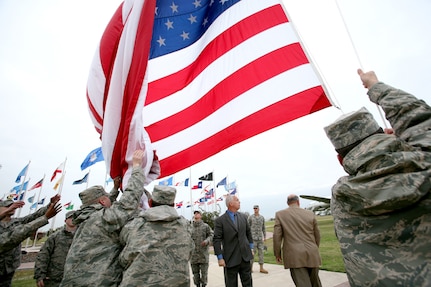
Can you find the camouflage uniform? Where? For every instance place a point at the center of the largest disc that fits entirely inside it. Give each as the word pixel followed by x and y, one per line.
pixel 93 256
pixel 158 247
pixel 51 257
pixel 382 210
pixel 258 233
pixel 200 256
pixel 12 233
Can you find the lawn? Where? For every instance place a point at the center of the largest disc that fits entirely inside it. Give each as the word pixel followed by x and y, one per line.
pixel 329 251
pixel 329 247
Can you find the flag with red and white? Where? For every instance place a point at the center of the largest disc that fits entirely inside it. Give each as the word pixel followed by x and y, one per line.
pixel 58 170
pixel 37 184
pixel 189 79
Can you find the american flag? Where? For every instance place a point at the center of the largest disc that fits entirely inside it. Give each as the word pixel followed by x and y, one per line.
pixel 210 74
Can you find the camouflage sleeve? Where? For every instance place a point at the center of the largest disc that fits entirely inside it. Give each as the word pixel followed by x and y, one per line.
pixel 402 109
pixel 114 194
pixel 29 218
pixel 263 227
pixel 117 215
pixel 10 239
pixel 209 234
pixel 43 258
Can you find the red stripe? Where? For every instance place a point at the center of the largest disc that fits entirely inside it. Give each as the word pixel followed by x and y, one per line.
pixel 133 87
pixel 289 109
pixel 93 111
pixel 233 86
pixel 226 41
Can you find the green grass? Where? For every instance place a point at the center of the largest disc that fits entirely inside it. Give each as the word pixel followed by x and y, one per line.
pixel 329 251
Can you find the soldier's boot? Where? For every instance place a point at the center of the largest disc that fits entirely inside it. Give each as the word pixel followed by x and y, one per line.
pixel 263 270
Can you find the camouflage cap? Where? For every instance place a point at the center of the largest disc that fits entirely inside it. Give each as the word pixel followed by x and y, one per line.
pixel 164 194
pixel 69 214
pixel 5 203
pixel 255 206
pixel 351 128
pixel 89 195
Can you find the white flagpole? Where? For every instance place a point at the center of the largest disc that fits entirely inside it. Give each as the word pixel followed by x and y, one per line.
pixel 88 179
pixel 37 203
pixel 190 188
pixel 22 185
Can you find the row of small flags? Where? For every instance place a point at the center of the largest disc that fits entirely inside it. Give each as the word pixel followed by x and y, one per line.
pixel 18 192
pixel 208 177
pixel 208 197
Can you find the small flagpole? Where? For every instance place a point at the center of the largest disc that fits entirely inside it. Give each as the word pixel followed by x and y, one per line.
pixel 37 203
pixel 190 188
pixel 88 179
pixel 214 191
pixel 59 192
pixel 105 183
pixel 22 185
pixel 379 109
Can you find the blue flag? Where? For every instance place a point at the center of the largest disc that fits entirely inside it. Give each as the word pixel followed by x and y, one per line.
pixel 222 182
pixel 82 180
pixel 167 181
pixel 93 157
pixel 22 173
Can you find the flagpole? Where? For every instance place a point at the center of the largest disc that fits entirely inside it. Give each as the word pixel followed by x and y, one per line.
pixel 214 192
pixel 22 185
pixel 59 193
pixel 88 177
pixel 37 203
pixel 190 187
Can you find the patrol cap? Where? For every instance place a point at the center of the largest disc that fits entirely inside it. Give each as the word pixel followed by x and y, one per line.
pixel 69 214
pixel 351 128
pixel 6 203
pixel 256 206
pixel 89 195
pixel 164 194
pixel 197 211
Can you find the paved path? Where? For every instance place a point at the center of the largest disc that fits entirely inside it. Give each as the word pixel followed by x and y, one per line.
pixel 277 276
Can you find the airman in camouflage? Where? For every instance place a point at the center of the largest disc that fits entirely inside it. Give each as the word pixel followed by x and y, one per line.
pixel 158 244
pixel 14 230
pixel 202 235
pixel 49 265
pixel 382 209
pixel 258 232
pixel 93 256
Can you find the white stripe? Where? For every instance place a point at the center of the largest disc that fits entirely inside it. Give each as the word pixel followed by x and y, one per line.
pixel 292 81
pixel 173 62
pixel 216 72
pixel 112 117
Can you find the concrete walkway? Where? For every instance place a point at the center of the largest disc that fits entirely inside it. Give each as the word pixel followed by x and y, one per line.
pixel 277 276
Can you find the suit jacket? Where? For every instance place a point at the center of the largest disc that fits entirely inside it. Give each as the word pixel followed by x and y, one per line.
pixel 232 241
pixel 296 229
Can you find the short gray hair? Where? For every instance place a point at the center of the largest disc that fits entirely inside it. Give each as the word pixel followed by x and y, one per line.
pixel 292 198
pixel 229 199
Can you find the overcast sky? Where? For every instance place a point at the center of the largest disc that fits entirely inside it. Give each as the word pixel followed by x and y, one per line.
pixel 47 47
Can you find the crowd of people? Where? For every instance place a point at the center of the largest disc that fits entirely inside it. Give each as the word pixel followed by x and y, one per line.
pixel 381 210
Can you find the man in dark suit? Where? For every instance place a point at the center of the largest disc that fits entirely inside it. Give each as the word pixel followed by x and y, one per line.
pixel 233 244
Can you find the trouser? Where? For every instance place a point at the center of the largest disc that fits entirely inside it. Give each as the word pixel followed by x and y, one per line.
pixel 200 273
pixel 259 246
pixel 306 277
pixel 6 279
pixel 244 271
